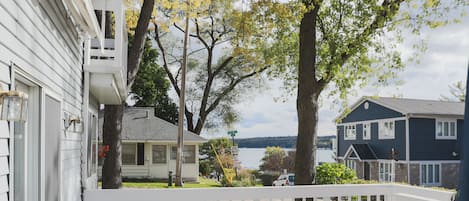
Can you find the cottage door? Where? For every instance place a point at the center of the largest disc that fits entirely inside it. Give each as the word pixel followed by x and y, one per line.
pixel 366 171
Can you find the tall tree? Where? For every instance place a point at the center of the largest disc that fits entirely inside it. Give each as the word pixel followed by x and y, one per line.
pixel 151 86
pixel 111 178
pixel 273 159
pixel 457 91
pixel 223 70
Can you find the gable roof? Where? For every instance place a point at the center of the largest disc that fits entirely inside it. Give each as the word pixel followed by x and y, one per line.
pixel 140 124
pixel 414 106
pixel 363 151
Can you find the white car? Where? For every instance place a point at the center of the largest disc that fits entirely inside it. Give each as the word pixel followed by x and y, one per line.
pixel 285 180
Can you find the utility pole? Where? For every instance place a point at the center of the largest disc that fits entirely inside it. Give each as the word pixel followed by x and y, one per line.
pixel 180 139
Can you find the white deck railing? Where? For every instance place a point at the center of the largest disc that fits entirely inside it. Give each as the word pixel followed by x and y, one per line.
pixel 356 192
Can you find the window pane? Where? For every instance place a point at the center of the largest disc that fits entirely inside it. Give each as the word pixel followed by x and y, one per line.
pixel 423 174
pixel 173 153
pixel 159 154
pixel 439 129
pixel 128 154
pixel 437 173
pixel 452 129
pixel 430 173
pixel 445 129
pixel 189 154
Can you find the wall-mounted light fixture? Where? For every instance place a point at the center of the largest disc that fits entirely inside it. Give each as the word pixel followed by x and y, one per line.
pixel 13 105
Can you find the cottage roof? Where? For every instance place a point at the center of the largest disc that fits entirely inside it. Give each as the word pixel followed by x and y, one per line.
pixel 408 106
pixel 140 124
pixel 423 107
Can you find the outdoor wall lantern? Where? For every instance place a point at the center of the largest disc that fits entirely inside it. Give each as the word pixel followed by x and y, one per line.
pixel 13 105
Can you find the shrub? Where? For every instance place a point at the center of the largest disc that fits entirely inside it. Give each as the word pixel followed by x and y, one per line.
pixel 334 173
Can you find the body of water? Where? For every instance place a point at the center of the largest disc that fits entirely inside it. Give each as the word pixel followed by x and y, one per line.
pixel 251 157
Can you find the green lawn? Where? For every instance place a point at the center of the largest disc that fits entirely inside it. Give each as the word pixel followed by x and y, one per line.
pixel 203 183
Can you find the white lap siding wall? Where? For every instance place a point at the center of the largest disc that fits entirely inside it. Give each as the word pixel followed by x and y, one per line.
pixel 38 37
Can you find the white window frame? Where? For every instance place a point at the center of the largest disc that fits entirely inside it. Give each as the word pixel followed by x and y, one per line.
pixel 385 130
pixel 352 164
pixel 424 180
pixel 450 135
pixel 350 131
pixel 383 175
pixel 135 154
pixel 366 129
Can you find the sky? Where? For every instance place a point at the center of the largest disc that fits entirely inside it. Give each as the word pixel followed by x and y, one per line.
pixel 443 63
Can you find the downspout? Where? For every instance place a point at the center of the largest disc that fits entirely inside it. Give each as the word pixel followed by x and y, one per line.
pixel 407 146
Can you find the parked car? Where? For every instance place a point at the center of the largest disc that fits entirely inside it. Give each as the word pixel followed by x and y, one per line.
pixel 285 180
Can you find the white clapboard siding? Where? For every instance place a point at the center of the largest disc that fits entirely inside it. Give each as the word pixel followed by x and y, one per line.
pixel 39 38
pixel 4 165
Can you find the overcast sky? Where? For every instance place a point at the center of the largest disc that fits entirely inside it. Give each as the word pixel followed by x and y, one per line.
pixel 445 62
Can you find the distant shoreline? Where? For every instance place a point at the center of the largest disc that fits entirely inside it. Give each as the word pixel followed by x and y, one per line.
pixel 324 142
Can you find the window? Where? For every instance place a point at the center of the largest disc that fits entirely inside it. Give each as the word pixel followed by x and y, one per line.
pixel 351 164
pixel 385 171
pixel 159 154
pixel 386 130
pixel 129 152
pixel 188 153
pixel 366 131
pixel 430 174
pixel 446 129
pixel 92 145
pixel 350 132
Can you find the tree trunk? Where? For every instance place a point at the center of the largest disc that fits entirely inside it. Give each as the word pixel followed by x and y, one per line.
pixel 112 128
pixel 307 101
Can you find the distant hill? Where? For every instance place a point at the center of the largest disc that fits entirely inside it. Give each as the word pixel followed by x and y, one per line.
pixel 324 142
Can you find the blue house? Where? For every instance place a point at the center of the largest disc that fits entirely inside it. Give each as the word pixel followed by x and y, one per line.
pixel 402 140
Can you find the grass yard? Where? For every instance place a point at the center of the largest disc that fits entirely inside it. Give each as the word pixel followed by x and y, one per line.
pixel 203 183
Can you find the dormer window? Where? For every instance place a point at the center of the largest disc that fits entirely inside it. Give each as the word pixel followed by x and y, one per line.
pixel 350 132
pixel 446 129
pixel 386 129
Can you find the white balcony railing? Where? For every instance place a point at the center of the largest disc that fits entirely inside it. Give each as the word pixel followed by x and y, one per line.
pixel 355 192
pixel 107 54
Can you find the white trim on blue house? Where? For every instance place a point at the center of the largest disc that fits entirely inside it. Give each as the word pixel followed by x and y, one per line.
pixel 434 176
pixel 373 121
pixel 348 152
pixel 407 147
pixel 449 121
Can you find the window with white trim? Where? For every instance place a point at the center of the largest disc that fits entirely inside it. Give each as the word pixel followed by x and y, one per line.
pixel 350 132
pixel 351 164
pixel 446 129
pixel 386 129
pixel 385 171
pixel 430 174
pixel 129 154
pixel 367 131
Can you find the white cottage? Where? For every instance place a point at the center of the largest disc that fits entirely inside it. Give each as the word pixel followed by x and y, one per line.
pixel 55 52
pixel 149 146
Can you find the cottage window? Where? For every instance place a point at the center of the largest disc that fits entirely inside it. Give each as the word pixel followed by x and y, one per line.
pixel 159 154
pixel 350 132
pixel 129 154
pixel 430 174
pixel 188 153
pixel 366 131
pixel 92 145
pixel 351 164
pixel 386 130
pixel 385 171
pixel 446 129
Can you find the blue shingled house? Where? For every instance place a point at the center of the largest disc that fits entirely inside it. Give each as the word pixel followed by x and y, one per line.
pixel 402 140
